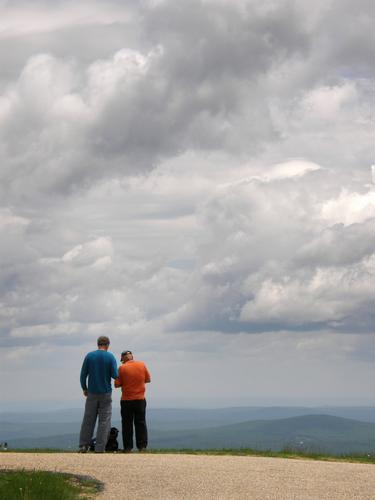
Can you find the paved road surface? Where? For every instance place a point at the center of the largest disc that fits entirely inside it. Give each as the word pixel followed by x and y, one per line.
pixel 173 477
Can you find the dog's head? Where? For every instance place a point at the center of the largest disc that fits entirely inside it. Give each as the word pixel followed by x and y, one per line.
pixel 114 432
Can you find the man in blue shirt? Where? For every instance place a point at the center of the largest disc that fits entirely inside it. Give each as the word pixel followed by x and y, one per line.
pixel 100 367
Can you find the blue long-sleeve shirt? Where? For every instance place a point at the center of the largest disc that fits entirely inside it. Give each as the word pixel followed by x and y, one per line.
pixel 99 366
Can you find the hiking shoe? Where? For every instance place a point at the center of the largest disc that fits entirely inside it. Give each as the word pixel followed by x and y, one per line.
pixel 83 449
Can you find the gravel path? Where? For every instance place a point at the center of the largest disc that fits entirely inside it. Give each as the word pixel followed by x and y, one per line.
pixel 173 477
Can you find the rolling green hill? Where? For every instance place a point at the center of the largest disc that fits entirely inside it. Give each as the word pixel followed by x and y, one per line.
pixel 318 433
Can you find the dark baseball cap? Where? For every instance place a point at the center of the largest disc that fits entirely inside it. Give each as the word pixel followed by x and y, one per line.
pixel 126 352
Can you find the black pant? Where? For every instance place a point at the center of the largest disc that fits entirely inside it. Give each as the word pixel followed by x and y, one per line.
pixel 134 412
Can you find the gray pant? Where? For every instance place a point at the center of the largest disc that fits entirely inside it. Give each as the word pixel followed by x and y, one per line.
pixel 97 405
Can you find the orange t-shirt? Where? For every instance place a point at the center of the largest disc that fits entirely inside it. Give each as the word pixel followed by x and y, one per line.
pixel 132 377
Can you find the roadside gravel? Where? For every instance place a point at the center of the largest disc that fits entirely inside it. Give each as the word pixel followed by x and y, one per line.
pixel 173 477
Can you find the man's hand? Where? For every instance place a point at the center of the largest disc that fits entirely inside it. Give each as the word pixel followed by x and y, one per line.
pixel 85 392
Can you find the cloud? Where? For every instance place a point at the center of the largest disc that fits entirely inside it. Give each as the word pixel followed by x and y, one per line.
pixel 188 177
pixel 22 18
pixel 9 220
pixel 280 264
pixel 188 85
pixel 94 253
pixel 332 296
pixel 350 208
pixel 264 254
pixel 67 123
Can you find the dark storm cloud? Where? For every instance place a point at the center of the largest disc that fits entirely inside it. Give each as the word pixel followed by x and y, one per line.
pixel 205 41
pixel 346 39
pixel 69 121
pixel 203 89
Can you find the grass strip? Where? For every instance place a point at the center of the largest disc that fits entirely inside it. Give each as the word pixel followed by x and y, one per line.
pixel 367 458
pixel 43 485
pixel 356 458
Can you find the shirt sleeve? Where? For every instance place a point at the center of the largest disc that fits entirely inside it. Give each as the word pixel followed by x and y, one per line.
pixel 114 370
pixel 147 375
pixel 84 373
pixel 118 380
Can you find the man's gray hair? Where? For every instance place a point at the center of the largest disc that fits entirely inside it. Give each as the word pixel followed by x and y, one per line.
pixel 103 340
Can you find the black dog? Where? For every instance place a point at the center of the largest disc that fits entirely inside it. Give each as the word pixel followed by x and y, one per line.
pixel 112 443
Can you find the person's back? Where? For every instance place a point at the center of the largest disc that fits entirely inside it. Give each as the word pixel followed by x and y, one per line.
pixel 99 367
pixel 133 376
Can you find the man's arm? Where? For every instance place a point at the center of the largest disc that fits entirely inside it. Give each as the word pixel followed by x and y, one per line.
pixel 114 370
pixel 147 376
pixel 83 377
pixel 118 380
pixel 116 373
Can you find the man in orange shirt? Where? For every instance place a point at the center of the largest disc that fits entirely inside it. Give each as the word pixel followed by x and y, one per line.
pixel 133 375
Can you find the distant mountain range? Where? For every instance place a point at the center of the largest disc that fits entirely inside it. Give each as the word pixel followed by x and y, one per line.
pixel 313 433
pixel 327 430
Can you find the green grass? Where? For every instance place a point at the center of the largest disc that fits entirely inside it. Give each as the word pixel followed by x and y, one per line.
pixel 36 450
pixel 42 485
pixel 285 453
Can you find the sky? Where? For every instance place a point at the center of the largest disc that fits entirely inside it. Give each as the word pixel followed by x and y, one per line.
pixel 196 181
